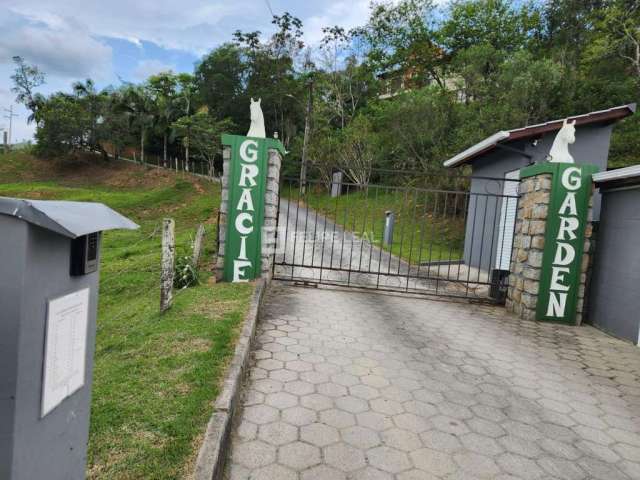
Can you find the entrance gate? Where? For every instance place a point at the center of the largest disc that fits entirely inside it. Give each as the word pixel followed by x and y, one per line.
pixel 434 241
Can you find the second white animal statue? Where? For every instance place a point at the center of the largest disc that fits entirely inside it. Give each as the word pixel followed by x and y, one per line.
pixel 256 129
pixel 566 136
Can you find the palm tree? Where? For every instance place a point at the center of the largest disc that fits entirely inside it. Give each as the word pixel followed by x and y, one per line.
pixel 138 105
pixel 163 88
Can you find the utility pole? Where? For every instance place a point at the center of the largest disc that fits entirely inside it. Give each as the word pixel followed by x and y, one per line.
pixel 307 132
pixel 10 117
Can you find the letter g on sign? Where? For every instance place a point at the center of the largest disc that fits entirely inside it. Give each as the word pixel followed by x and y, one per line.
pixel 249 151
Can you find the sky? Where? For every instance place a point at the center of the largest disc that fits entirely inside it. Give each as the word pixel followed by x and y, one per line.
pixel 128 40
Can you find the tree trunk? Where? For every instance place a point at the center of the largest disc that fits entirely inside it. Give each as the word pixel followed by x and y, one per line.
pixel 164 151
pixel 142 146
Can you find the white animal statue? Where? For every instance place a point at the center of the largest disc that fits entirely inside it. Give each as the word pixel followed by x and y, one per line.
pixel 566 136
pixel 256 129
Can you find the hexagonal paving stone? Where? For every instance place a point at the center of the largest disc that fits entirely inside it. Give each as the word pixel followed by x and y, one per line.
pixel 283 375
pixel 344 457
pixel 270 364
pixel 267 386
pixel 437 440
pixel 433 461
pixel 316 402
pixel 477 465
pixel 332 389
pixel 374 420
pixel 401 439
pixel 319 434
pixel 519 466
pixel 277 433
pixel 260 414
pixel 299 455
pixel 481 444
pixel 388 459
pixel 364 391
pixel 386 406
pixel 298 387
pixel 351 404
pixel 337 418
pixel 322 472
pixel 411 422
pixel 254 454
pixel 273 472
pixel 360 437
pixel 281 400
pixel 299 416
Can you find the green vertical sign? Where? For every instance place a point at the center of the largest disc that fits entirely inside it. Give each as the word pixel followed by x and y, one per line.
pixel 247 183
pixel 571 188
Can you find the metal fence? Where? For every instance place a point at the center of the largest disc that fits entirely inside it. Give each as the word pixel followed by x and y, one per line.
pixel 397 238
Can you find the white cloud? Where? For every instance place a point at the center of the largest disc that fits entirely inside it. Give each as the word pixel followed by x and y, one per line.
pixel 146 68
pixel 62 47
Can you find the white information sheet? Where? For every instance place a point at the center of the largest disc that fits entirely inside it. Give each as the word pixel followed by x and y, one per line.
pixel 65 348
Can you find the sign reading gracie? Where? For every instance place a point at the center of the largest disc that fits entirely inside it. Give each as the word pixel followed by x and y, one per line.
pixel 564 239
pixel 247 183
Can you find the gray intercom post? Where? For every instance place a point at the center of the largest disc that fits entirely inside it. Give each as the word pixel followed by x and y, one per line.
pixel 49 258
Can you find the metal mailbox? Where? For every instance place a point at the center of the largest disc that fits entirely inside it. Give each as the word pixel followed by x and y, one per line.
pixel 49 270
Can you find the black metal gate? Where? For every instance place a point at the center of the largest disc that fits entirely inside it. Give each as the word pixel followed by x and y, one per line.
pixel 447 241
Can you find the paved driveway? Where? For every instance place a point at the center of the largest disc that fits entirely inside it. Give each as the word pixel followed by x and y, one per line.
pixel 371 386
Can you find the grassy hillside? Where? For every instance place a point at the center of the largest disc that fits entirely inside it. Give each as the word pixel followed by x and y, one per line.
pixel 155 376
pixel 422 231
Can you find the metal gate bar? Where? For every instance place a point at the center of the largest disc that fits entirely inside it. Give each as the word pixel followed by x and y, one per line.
pixel 444 242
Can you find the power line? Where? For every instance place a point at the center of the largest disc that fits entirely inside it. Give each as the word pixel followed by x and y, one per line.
pixel 269 7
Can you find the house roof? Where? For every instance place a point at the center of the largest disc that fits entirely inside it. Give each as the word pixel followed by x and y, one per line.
pixel 533 131
pixel 70 219
pixel 618 177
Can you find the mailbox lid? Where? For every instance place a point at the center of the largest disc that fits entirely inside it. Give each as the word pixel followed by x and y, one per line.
pixel 70 219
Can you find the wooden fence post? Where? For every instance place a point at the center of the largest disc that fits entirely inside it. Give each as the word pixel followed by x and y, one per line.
pixel 197 245
pixel 168 263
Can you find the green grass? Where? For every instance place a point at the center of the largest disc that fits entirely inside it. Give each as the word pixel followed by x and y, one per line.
pixel 155 376
pixel 422 231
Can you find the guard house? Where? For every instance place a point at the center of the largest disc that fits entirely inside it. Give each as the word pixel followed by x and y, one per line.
pixel 495 164
pixel 50 258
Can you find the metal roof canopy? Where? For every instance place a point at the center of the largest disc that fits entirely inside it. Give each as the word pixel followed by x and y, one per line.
pixel 626 176
pixel 532 131
pixel 70 219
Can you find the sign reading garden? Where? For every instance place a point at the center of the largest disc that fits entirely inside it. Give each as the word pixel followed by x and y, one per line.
pixel 564 233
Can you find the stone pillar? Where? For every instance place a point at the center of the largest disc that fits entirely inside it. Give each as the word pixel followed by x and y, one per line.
pixel 270 214
pixel 268 238
pixel 224 210
pixel 528 248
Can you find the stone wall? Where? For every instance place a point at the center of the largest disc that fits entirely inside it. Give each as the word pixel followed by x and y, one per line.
pixel 528 246
pixel 270 212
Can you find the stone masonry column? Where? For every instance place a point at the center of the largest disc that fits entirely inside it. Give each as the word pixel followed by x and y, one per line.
pixel 270 212
pixel 529 245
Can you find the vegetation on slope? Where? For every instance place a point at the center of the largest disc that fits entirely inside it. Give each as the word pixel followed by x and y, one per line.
pixel 155 376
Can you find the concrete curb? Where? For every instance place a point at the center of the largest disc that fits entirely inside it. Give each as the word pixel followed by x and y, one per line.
pixel 211 457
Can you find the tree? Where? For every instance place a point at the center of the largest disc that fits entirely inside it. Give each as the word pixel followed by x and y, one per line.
pixel 203 134
pixel 26 79
pixel 163 90
pixel 138 106
pixel 62 126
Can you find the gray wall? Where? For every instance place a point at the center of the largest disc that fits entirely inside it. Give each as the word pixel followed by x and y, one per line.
pixel 483 215
pixel 481 234
pixel 614 295
pixel 35 268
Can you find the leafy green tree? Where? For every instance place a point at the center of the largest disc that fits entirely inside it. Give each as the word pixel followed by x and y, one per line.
pixel 203 134
pixel 62 126
pixel 163 90
pixel 26 79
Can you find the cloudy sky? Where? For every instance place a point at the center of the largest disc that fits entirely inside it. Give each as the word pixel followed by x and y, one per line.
pixel 109 40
